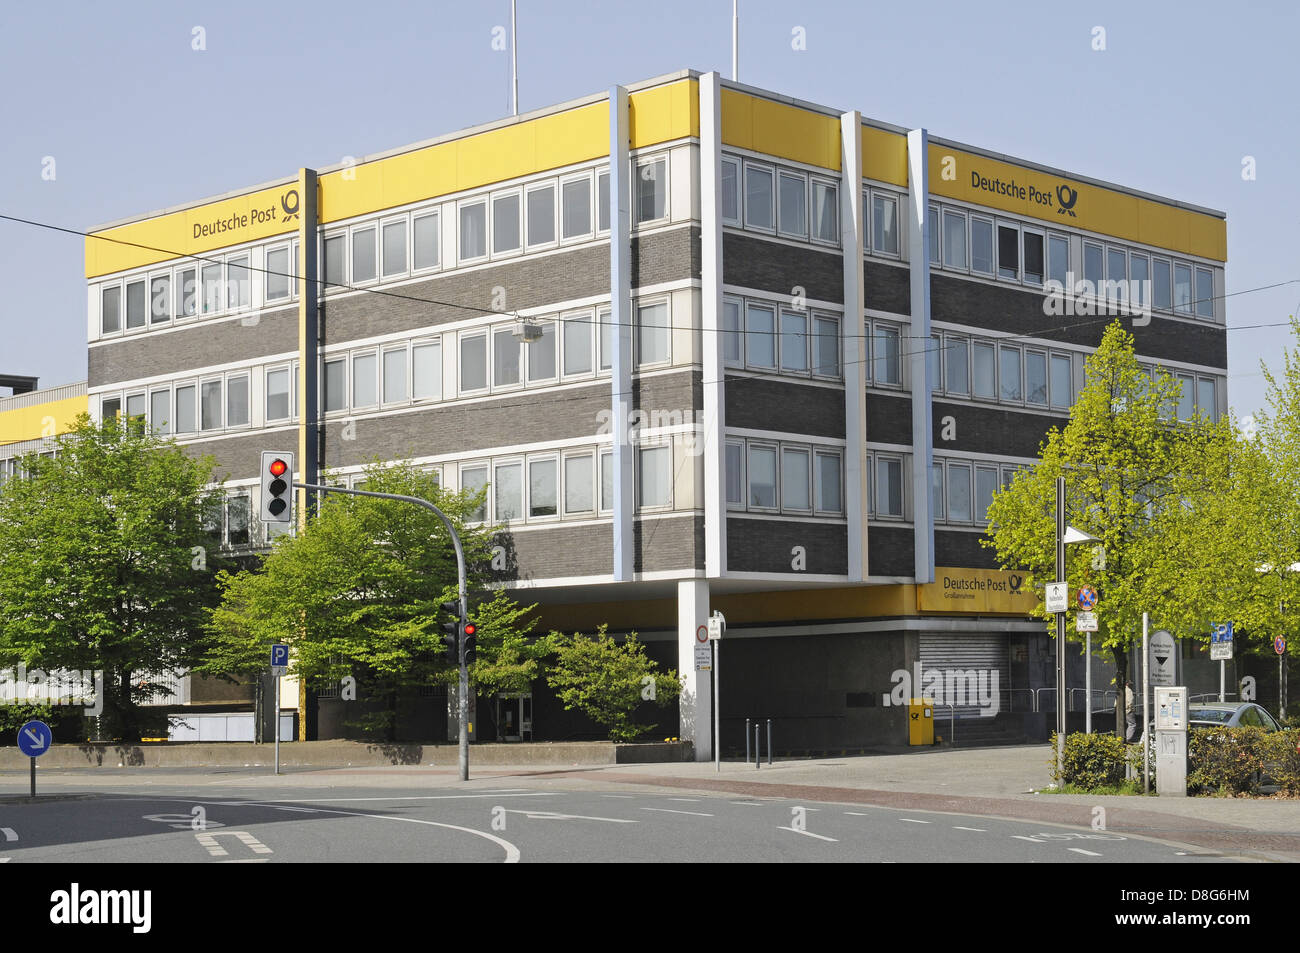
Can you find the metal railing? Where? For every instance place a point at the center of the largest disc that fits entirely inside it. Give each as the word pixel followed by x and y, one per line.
pixel 952 723
pixel 1011 698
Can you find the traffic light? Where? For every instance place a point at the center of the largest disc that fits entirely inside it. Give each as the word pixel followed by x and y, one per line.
pixel 451 631
pixel 471 642
pixel 277 492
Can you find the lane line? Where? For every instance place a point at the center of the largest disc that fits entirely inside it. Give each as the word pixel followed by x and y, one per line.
pixel 976 829
pixel 808 834
pixel 630 796
pixel 1032 840
pixel 857 814
pixel 415 797
pixel 1080 850
pixel 664 810
pixel 747 803
pixel 9 833
pixel 681 799
pixel 912 820
pixel 553 816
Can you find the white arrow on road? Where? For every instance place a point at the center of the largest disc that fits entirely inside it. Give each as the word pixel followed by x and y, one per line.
pixel 552 816
pixel 37 741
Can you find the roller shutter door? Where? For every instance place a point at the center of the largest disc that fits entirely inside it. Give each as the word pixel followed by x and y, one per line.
pixel 985 654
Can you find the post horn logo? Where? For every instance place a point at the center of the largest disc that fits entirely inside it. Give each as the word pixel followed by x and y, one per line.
pixel 1067 197
pixel 1014 580
pixel 291 211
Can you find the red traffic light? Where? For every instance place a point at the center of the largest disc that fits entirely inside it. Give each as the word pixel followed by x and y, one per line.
pixel 278 467
pixel 471 628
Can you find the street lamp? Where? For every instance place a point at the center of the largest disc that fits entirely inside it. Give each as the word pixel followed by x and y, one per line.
pixel 1065 535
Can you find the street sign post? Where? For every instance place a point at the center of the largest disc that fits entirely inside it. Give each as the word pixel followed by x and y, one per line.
pixel 1086 622
pixel 703 650
pixel 1279 645
pixel 1162 658
pixel 1058 596
pixel 1221 651
pixel 717 623
pixel 279 662
pixel 34 739
pixel 1087 598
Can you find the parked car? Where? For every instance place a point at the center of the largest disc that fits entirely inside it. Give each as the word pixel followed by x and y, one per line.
pixel 1227 715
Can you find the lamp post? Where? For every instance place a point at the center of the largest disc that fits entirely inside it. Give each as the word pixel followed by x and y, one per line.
pixel 1064 535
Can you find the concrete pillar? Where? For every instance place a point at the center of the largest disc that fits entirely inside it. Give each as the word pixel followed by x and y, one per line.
pixel 696 701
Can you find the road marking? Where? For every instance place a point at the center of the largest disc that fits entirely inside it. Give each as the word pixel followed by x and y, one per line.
pixel 809 834
pixel 619 795
pixel 912 820
pixel 300 810
pixel 209 843
pixel 5 860
pixel 1032 840
pixel 1080 850
pixel 9 834
pixel 422 797
pixel 681 799
pixel 747 803
pixel 552 816
pixel 977 829
pixel 664 810
pixel 857 814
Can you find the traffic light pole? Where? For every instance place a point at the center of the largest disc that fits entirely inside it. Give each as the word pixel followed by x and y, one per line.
pixel 463 695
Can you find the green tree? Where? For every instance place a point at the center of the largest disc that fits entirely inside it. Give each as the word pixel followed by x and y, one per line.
pixel 1134 475
pixel 607 680
pixel 359 594
pixel 104 563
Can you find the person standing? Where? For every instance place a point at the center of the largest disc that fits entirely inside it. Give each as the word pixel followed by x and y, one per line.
pixel 1130 714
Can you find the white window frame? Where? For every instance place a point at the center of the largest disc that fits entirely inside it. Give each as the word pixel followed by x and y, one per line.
pixel 992 223
pixel 641 447
pixel 902 486
pixel 795 448
pixel 518 195
pixel 1024 271
pixel 286 247
pixel 528 350
pixel 372 227
pixel 869 207
pixel 781 228
pixel 435 213
pixel 744 191
pixel 666 301
pixel 461 258
pixel 346 360
pixel 735 161
pixel 555 458
pixel 442 372
pixel 484 332
pixel 580 321
pixel 404 221
pixel 592 459
pixel 405 350
pixel 775 447
pixel 638 163
pixel 525 216
pixel 267 371
pixel 742 504
pixel 225 400
pixel 838 456
pixel 813 182
pixel 341 281
pixel 592 211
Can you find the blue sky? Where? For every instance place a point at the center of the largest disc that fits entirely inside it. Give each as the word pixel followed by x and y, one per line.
pixel 137 120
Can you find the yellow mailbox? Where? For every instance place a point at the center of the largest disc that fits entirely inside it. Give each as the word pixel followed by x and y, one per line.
pixel 920 721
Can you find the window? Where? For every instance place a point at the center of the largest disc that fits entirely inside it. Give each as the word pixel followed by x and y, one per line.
pixel 237 401
pixel 954 239
pixel 986 484
pixel 277 273
pixel 1204 293
pixel 1139 275
pixel 505 223
pixel 1117 274
pixel 959 499
pixel 935 235
pixel 1182 288
pixel 577 343
pixel 160 411
pixel 1033 257
pixel 111 408
pixel 578 489
pixel 758 198
pixel 238 519
pixel 110 310
pixel 543 487
pixel 1009 376
pixel 760 335
pixel 136 304
pixel 981 246
pixel 731 331
pixel 473 231
pixel 957 366
pixel 796 494
pixel 730 186
pixel 889 487
pixel 186 418
pixel 884 220
pixel 394 248
pixel 1058 259
pixel 934 362
pixel 394 375
pixel 160 299
pixel 794 341
pixel 277 394
pixel 336 395
pixel 426 371
pixel 473 361
pixel 472 480
pixel 1008 252
pixel 828 489
pixel 1036 378
pixel 606 481
pixel 424 229
pixel 508 489
pixel 541 355
pixel 826 346
pixel 209 405
pixel 656 476
pixel 1093 264
pixel 983 360
pixel 135 407
pixel 1062 383
pixel 1186 397
pixel 365 380
pixel 1205 402
pixel 936 491
pixel 576 201
pixel 653 333
pixel 238 283
pixel 506 358
pixel 825 212
pixel 886 364
pixel 1160 284
pixel 793 211
pixel 541 216
pixel 211 276
pixel 762 477
pixel 602 200
pixel 606 329
pixel 186 293
pixel 650 190
pixel 335 264
pixel 735 462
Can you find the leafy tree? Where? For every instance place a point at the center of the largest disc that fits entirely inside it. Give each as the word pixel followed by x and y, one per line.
pixel 359 594
pixel 1137 480
pixel 104 563
pixel 608 680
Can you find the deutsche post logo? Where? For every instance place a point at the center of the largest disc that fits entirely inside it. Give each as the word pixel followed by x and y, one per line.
pixel 1014 580
pixel 291 208
pixel 1067 197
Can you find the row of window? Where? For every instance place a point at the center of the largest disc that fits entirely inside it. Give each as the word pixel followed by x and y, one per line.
pixel 962 491
pixel 1196 394
pixel 979 244
pixel 779 477
pixel 773 338
pixel 962 366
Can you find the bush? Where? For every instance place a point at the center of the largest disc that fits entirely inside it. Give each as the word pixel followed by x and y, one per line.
pixel 1281 758
pixel 1091 761
pixel 1225 760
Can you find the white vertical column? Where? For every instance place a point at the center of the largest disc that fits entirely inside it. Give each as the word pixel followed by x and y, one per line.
pixel 715 391
pixel 695 704
pixel 855 344
pixel 918 249
pixel 620 331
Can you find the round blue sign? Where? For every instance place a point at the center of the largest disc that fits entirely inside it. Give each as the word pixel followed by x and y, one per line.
pixel 35 738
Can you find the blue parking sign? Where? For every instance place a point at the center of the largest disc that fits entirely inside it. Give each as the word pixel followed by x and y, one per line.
pixel 279 655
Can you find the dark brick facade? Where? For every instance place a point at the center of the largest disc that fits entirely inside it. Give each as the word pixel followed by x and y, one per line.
pixel 785 407
pixel 765 546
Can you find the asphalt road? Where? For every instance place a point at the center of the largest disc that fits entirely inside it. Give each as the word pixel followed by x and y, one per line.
pixel 184 819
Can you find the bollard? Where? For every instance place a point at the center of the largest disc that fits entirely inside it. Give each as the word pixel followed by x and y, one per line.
pixel 746 741
pixel 769 741
pixel 758 751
